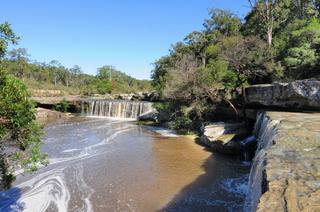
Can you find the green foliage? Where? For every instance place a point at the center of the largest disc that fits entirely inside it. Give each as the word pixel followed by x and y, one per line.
pixel 222 22
pixel 180 122
pixel 158 74
pixel 17 108
pixel 176 118
pixel 62 106
pixel 103 86
pixel 304 52
pixel 278 40
pixel 18 128
pixel 6 36
pixel 57 77
pixel 298 48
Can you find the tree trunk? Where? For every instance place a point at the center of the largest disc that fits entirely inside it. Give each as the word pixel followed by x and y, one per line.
pixel 233 107
pixel 243 94
pixel 269 33
pixel 204 61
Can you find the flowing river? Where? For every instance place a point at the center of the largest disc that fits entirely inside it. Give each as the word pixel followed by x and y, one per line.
pixel 98 164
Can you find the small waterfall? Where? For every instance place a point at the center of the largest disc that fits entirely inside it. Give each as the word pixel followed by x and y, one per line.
pixel 116 108
pixel 265 131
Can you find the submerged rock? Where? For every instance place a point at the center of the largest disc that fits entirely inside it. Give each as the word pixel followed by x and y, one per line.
pixel 301 94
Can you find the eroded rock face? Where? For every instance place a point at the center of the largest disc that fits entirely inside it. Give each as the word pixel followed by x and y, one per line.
pixel 290 163
pixel 302 94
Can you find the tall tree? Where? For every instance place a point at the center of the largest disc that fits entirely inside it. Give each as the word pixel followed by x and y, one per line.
pixel 20 57
pixel 271 14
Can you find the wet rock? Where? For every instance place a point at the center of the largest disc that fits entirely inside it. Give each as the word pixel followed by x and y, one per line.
pixel 302 94
pixel 150 116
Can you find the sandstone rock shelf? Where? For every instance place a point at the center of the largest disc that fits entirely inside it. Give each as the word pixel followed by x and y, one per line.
pixel 297 95
pixel 288 162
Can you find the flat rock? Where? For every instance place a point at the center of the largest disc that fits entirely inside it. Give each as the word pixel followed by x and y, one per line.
pixel 293 164
pixel 301 94
pixel 224 137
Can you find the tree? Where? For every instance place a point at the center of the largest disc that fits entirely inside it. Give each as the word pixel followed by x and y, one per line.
pixel 303 9
pixel 54 66
pixel 247 56
pixel 6 36
pixel 302 54
pixel 75 72
pixel 270 14
pixel 20 57
pixel 198 41
pixel 106 72
pixel 222 22
pixel 20 136
pixel 159 73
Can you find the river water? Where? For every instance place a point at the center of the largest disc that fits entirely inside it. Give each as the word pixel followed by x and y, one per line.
pixel 112 165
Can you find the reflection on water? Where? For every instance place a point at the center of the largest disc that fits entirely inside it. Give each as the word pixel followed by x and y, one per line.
pixel 109 165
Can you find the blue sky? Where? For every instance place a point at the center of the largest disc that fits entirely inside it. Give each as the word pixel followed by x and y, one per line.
pixel 128 34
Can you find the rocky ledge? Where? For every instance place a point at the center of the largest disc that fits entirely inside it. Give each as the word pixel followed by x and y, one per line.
pixel 51 97
pixel 224 137
pixel 297 95
pixel 285 175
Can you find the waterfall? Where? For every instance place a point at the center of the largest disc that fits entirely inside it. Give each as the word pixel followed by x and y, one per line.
pixel 116 108
pixel 265 131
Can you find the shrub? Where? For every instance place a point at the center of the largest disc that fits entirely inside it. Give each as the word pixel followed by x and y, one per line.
pixel 18 130
pixel 63 106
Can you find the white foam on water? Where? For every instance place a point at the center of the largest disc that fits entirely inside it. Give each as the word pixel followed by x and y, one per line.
pixel 86 191
pixel 70 150
pixel 163 131
pixel 92 150
pixel 112 118
pixel 38 193
pixel 236 186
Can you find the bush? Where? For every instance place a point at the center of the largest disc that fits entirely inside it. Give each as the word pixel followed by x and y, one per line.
pixel 103 86
pixel 63 106
pixel 17 129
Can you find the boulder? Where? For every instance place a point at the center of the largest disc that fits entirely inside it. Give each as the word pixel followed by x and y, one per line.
pixel 224 137
pixel 46 116
pixel 301 94
pixel 151 116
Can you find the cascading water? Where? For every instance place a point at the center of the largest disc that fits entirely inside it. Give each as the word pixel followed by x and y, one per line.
pixel 116 108
pixel 265 131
